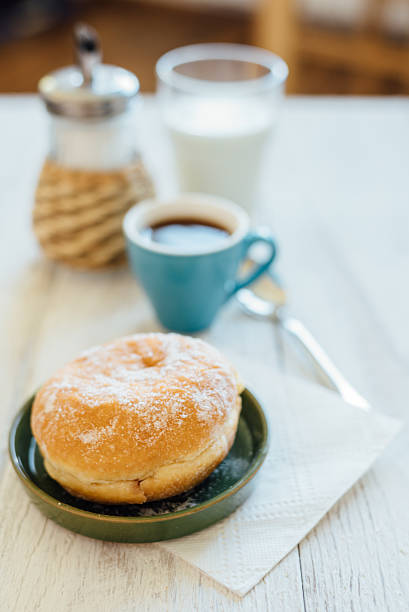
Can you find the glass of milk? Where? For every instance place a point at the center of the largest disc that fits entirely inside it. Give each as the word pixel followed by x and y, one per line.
pixel 219 103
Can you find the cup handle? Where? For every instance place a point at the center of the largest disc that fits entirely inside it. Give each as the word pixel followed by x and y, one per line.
pixel 259 235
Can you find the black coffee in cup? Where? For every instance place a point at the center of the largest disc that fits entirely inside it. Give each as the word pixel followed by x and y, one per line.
pixel 186 254
pixel 186 234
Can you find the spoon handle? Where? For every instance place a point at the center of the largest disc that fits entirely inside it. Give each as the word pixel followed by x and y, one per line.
pixel 323 362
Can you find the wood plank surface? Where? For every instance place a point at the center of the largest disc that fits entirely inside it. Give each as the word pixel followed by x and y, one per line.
pixel 346 225
pixel 335 193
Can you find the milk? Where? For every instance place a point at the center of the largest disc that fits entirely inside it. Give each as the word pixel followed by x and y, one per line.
pixel 218 145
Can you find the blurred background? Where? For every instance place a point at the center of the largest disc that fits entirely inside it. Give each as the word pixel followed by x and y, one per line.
pixel 333 46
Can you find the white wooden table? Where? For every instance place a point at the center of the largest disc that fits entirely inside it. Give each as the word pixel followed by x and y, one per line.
pixel 336 193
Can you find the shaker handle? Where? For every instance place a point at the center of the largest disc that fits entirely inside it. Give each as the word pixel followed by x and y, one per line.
pixel 88 51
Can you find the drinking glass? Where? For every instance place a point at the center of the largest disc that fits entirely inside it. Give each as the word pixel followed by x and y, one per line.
pixel 219 103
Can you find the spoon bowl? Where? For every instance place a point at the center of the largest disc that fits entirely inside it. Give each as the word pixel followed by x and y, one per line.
pixel 256 306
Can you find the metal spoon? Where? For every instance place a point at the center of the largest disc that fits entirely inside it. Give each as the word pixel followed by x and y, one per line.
pixel 269 303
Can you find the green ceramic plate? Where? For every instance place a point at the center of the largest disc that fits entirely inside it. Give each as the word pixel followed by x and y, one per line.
pixel 215 498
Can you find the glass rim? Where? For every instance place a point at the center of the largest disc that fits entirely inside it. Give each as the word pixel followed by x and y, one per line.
pixel 275 65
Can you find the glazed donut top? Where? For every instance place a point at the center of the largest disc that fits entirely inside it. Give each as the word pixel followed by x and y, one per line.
pixel 124 409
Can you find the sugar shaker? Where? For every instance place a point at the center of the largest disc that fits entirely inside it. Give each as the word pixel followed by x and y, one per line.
pixel 93 171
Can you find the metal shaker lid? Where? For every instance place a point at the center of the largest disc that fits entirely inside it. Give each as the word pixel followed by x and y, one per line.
pixel 89 89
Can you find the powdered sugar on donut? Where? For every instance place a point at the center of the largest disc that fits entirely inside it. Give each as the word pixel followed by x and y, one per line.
pixel 140 387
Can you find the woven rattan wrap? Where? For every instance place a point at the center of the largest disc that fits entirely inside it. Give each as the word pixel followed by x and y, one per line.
pixel 78 213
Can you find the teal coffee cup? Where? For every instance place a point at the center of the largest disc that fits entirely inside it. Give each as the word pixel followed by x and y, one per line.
pixel 187 287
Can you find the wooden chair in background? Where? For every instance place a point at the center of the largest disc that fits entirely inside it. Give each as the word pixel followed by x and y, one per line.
pixel 362 57
pixel 276 29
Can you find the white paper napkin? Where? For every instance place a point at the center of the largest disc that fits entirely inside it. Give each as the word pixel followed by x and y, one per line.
pixel 319 447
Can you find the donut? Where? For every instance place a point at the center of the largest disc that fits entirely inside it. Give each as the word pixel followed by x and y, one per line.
pixel 142 418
